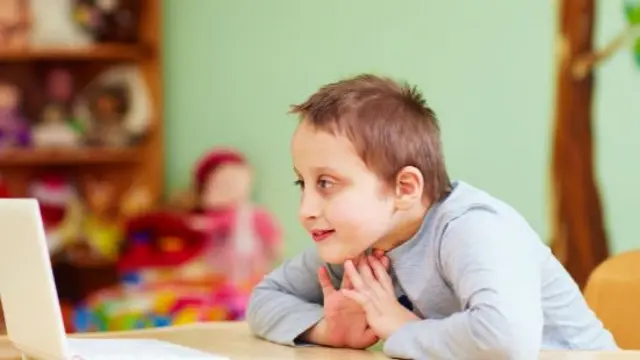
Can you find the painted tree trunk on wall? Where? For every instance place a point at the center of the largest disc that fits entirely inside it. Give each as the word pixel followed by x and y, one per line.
pixel 579 238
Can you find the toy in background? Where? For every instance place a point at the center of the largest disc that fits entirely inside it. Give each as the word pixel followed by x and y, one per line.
pixel 15 23
pixel 116 106
pixel 14 127
pixel 183 267
pixel 114 110
pixel 52 25
pixel 108 20
pixel 137 200
pixel 100 227
pixel 60 207
pixel 57 128
pixel 107 126
pixel 244 239
pixel 165 281
pixel 117 310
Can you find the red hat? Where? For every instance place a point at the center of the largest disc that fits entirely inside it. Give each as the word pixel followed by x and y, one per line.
pixel 214 159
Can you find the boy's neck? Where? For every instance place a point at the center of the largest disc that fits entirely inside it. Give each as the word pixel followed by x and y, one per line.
pixel 405 229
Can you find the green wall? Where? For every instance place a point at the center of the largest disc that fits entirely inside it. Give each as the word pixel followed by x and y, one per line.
pixel 233 67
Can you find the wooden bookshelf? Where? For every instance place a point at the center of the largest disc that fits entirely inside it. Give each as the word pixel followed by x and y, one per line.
pixel 70 157
pixel 142 163
pixel 139 165
pixel 111 52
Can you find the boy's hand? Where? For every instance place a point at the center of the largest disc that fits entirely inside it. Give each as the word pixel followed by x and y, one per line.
pixel 344 323
pixel 373 290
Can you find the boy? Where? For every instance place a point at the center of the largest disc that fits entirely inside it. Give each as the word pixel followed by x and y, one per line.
pixel 436 269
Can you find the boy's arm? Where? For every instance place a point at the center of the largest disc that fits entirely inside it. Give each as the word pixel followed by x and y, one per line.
pixel 288 301
pixel 492 267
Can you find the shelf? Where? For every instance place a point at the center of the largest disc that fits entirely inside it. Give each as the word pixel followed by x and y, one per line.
pixel 93 52
pixel 45 157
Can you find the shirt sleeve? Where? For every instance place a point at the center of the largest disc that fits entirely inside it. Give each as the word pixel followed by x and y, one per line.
pixel 492 266
pixel 288 301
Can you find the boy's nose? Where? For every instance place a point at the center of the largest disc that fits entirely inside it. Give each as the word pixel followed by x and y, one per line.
pixel 309 208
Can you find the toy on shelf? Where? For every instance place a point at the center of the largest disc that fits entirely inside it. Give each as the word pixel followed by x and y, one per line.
pixel 137 200
pixel 52 25
pixel 108 109
pixel 100 227
pixel 108 21
pixel 117 107
pixel 60 207
pixel 57 128
pixel 14 24
pixel 244 239
pixel 14 127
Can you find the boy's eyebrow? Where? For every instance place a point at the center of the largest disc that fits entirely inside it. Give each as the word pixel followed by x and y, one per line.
pixel 324 169
pixel 318 170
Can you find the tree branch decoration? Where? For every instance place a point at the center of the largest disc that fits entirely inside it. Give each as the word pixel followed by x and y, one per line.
pixel 585 64
pixel 579 236
pixel 628 35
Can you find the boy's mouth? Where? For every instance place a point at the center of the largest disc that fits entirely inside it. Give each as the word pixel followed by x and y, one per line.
pixel 319 235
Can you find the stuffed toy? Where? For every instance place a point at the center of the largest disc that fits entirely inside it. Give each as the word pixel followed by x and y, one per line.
pixel 244 239
pixel 15 21
pixel 184 267
pixel 14 127
pixel 164 281
pixel 60 208
pixel 57 127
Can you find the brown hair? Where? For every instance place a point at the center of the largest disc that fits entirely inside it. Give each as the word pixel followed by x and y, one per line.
pixel 389 124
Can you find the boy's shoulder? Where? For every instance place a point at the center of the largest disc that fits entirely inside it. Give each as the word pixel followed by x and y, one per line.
pixel 464 197
pixel 466 202
pixel 469 214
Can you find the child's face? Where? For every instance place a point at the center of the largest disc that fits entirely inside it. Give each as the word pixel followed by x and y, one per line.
pixel 344 206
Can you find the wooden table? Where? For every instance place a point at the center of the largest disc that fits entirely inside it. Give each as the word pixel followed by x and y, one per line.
pixel 233 339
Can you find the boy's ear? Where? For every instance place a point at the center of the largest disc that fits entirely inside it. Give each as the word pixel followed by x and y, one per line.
pixel 409 186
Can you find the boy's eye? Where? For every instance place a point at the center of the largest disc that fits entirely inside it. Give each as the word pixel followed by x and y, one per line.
pixel 325 184
pixel 299 183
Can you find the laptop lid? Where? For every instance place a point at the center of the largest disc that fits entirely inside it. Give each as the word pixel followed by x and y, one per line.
pixel 29 296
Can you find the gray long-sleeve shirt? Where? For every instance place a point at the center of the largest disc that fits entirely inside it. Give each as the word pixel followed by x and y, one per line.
pixel 484 284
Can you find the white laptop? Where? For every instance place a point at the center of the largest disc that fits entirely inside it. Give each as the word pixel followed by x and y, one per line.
pixel 30 300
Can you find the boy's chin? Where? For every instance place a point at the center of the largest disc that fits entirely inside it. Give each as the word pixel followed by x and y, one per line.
pixel 334 256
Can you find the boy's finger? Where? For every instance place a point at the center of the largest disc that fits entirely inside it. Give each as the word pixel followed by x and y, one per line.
pixel 382 276
pixel 377 253
pixel 325 281
pixel 356 296
pixel 364 300
pixel 385 262
pixel 352 273
pixel 365 270
pixel 346 281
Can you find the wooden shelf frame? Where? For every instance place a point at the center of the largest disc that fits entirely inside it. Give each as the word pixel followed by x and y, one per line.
pixel 142 164
pixel 71 156
pixel 122 52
